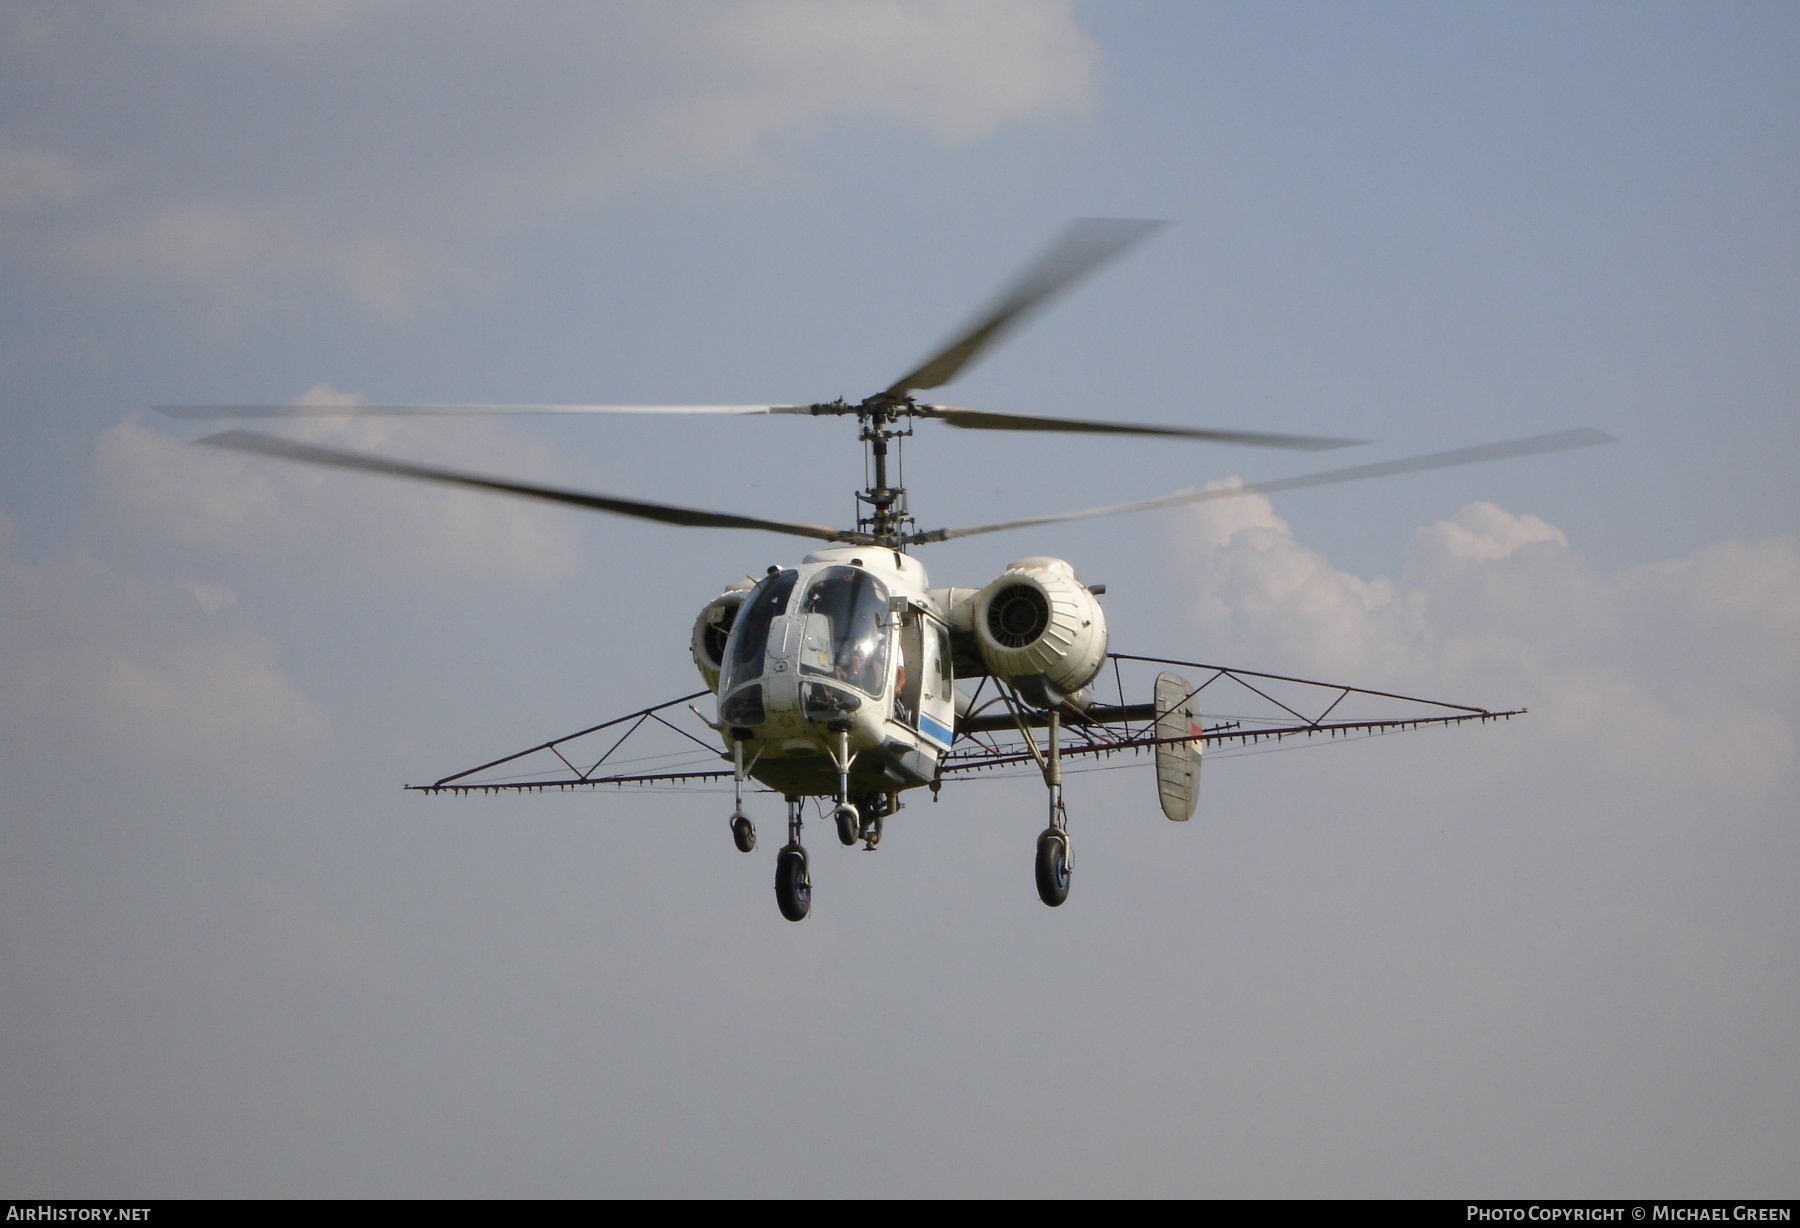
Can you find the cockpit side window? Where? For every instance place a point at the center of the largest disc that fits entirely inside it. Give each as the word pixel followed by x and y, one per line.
pixel 750 633
pixel 854 605
pixel 946 671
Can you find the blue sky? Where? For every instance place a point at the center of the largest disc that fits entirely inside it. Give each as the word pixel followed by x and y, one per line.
pixel 1549 957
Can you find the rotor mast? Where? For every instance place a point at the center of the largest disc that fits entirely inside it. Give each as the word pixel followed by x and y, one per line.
pixel 879 417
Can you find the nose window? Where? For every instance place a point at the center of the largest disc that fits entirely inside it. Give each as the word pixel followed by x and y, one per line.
pixel 749 641
pixel 846 635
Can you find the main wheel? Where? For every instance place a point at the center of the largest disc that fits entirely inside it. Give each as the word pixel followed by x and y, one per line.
pixel 849 825
pixel 1052 867
pixel 743 832
pixel 793 886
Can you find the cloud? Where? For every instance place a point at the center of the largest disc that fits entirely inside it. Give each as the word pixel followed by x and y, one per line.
pixel 959 71
pixel 127 677
pixel 152 486
pixel 1480 532
pixel 111 645
pixel 211 597
pixel 1678 676
pixel 37 178
pixel 227 694
pixel 381 145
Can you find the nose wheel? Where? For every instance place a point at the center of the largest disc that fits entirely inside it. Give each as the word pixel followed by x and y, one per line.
pixel 743 831
pixel 849 824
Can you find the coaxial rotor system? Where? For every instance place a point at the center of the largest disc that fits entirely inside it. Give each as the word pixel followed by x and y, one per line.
pixel 884 418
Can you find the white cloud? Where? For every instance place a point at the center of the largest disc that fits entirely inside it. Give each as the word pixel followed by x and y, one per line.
pixel 153 486
pixel 1261 586
pixel 1480 532
pixel 112 650
pixel 124 675
pixel 1677 675
pixel 238 257
pixel 382 144
pixel 961 71
pixel 211 597
pixel 226 697
pixel 37 178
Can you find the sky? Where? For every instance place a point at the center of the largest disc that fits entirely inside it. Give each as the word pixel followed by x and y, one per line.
pixel 1555 957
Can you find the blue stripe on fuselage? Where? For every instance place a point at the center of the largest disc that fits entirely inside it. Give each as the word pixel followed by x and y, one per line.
pixel 936 730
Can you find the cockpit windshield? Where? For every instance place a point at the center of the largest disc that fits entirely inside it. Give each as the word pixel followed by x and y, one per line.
pixel 750 632
pixel 846 636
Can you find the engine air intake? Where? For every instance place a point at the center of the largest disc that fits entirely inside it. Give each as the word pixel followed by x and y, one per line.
pixel 1038 628
pixel 1017 615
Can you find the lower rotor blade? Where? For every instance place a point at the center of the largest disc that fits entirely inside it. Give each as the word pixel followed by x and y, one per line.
pixel 312 454
pixel 1531 445
pixel 457 410
pixel 991 420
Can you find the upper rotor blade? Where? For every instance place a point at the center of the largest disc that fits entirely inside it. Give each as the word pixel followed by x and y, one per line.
pixel 1531 445
pixel 454 411
pixel 991 420
pixel 1083 248
pixel 289 449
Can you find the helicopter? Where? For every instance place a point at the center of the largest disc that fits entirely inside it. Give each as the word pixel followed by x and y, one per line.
pixel 849 680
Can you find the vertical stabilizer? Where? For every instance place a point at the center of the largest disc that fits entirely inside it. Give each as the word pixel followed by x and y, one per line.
pixel 1177 762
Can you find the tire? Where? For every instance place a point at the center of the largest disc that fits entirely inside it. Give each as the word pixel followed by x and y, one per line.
pixel 793 886
pixel 847 826
pixel 743 833
pixel 1052 868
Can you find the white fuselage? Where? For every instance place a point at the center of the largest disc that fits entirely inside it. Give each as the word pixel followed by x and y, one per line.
pixel 849 650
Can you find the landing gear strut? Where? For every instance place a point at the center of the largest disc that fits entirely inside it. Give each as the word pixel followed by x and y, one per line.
pixel 849 822
pixel 743 831
pixel 793 885
pixel 1055 857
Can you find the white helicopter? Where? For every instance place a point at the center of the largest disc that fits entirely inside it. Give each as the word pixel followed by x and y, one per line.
pixel 837 678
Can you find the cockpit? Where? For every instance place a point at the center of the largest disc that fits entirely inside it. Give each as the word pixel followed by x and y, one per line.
pixel 834 636
pixel 844 635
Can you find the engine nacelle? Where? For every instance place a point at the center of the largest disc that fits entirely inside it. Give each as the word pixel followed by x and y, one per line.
pixel 712 628
pixel 1040 629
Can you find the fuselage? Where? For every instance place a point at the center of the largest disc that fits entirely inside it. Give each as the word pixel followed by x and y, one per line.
pixel 849 650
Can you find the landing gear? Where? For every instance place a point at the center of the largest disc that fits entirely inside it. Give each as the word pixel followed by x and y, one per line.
pixel 743 831
pixel 1053 866
pixel 793 885
pixel 849 824
pixel 1055 857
